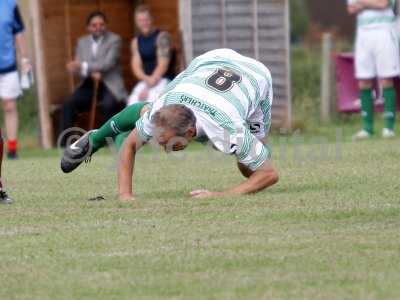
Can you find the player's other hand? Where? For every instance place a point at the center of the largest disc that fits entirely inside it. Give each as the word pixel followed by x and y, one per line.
pixel 201 194
pixel 126 198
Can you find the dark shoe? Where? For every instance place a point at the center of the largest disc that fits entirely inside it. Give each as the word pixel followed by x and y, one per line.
pixel 76 153
pixel 4 198
pixel 12 155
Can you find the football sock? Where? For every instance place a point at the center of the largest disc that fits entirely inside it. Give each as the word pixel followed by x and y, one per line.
pixel 120 138
pixel 367 110
pixel 389 94
pixel 12 146
pixel 121 122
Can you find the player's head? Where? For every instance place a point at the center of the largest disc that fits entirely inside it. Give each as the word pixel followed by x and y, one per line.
pixel 144 19
pixel 175 127
pixel 96 24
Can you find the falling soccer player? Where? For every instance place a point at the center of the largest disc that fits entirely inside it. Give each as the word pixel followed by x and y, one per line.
pixel 222 96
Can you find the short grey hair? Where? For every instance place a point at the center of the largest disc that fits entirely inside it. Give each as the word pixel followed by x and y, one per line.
pixel 175 116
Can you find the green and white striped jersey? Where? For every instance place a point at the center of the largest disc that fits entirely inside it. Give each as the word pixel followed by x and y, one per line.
pixel 375 17
pixel 231 97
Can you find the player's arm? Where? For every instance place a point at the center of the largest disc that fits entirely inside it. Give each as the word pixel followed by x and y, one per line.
pixel 262 178
pixel 163 56
pixel 126 165
pixel 253 162
pixel 136 61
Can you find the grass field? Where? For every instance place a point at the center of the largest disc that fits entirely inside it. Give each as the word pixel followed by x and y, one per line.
pixel 328 230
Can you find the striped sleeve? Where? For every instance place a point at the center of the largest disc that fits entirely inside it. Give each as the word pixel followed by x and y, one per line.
pixel 250 151
pixel 144 127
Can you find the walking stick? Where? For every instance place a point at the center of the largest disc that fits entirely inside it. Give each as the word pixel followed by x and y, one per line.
pixel 92 116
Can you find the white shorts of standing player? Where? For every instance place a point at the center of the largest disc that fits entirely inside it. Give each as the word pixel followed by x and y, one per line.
pixel 377 52
pixel 10 88
pixel 152 92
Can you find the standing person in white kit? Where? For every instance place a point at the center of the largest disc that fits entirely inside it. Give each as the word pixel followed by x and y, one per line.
pixel 376 56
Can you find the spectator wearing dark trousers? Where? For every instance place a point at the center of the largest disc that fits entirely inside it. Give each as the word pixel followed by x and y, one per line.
pixel 97 59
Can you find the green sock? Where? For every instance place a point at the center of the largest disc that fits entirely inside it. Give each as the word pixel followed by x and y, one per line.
pixel 121 122
pixel 389 94
pixel 367 110
pixel 120 139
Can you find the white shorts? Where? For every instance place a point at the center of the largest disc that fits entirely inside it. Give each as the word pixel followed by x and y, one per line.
pixel 9 86
pixel 152 93
pixel 377 53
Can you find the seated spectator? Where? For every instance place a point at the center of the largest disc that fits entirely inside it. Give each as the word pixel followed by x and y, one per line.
pixel 96 60
pixel 151 58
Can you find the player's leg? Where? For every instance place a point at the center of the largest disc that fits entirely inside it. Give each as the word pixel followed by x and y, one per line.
pixel 11 122
pixel 365 66
pixel 10 90
pixel 124 121
pixel 120 139
pixel 388 67
pixel 4 198
pixel 367 109
pixel 390 98
pixel 92 141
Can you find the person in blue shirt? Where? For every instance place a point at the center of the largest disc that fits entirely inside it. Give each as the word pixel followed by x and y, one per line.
pixel 11 39
pixel 152 58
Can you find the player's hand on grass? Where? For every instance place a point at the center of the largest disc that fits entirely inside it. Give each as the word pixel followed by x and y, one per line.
pixel 201 194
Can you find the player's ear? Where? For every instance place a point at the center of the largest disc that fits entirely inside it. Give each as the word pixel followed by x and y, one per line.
pixel 191 132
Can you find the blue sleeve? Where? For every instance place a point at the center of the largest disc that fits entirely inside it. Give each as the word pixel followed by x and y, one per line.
pixel 18 24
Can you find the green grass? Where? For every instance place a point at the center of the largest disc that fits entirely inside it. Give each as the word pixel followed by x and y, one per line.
pixel 328 230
